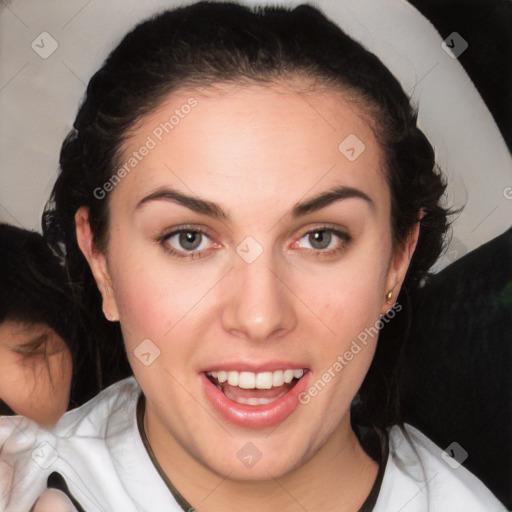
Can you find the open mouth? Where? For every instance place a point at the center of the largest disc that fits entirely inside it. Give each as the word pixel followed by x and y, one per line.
pixel 253 389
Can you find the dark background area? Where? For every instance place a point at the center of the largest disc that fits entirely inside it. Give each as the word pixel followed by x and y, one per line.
pixel 460 345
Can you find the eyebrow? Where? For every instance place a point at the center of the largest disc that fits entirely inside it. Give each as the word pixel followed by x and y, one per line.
pixel 215 211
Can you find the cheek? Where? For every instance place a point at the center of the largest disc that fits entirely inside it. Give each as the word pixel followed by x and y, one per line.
pixel 61 367
pixel 348 298
pixel 161 302
pixel 16 383
pixel 28 389
pixel 349 295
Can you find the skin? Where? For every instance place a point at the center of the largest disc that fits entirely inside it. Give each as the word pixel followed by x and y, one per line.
pixel 35 371
pixel 256 151
pixel 53 500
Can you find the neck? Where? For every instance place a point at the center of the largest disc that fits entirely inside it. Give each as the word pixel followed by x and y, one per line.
pixel 338 477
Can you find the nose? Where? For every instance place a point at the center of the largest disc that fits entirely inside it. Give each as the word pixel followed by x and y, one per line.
pixel 258 304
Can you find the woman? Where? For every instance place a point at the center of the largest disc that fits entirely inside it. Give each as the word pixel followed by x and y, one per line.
pixel 254 201
pixel 51 359
pixel 35 359
pixel 46 357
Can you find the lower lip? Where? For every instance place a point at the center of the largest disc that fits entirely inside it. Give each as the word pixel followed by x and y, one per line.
pixel 254 416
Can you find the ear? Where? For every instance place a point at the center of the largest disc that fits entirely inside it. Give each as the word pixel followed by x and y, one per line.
pixel 98 263
pixel 400 262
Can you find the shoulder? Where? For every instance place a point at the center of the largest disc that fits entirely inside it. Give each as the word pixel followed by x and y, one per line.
pixel 421 476
pixel 104 412
pixel 30 453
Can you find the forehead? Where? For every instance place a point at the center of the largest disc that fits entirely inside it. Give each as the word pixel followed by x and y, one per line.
pixel 245 143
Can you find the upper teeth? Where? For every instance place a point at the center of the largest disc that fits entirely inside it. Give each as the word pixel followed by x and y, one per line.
pixel 263 380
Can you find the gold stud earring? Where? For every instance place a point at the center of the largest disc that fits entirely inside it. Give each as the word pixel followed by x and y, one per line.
pixel 389 295
pixel 110 318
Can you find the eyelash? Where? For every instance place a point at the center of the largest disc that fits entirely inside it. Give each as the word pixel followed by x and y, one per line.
pixel 319 253
pixel 30 349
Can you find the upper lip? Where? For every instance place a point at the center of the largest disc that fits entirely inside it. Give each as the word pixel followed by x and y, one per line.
pixel 268 366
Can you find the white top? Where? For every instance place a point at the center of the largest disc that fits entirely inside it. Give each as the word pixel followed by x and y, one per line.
pixel 99 452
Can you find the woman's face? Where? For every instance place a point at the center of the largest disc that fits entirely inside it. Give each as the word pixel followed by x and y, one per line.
pixel 294 264
pixel 35 371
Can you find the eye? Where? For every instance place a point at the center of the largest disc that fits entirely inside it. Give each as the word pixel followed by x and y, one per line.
pixel 185 242
pixel 325 240
pixel 32 348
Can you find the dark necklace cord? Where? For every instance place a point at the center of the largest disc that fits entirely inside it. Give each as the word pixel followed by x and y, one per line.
pixel 367 436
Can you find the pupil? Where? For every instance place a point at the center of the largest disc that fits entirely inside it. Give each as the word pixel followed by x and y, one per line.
pixel 190 240
pixel 321 237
